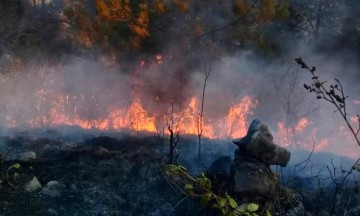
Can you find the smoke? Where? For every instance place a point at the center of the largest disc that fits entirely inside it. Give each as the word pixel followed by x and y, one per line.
pixel 79 87
pixel 327 129
pixel 88 89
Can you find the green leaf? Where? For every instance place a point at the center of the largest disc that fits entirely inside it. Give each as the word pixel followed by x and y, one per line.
pixel 237 213
pixel 14 166
pixel 208 184
pixel 205 198
pixel 232 203
pixel 201 181
pixel 268 213
pixel 252 207
pixel 356 167
pixel 204 182
pixel 172 169
pixel 189 187
pixel 222 202
pixel 208 194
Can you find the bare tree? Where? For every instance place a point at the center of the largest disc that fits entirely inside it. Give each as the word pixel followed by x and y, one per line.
pixel 207 72
pixel 316 18
pixel 174 138
pixel 292 100
pixel 233 22
pixel 335 95
pixel 160 136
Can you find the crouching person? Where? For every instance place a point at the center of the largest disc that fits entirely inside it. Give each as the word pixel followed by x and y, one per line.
pixel 251 179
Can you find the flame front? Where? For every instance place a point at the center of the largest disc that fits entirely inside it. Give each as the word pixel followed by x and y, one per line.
pixel 135 117
pixel 288 134
pixel 49 97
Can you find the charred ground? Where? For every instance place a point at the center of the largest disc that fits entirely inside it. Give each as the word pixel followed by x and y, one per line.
pixel 108 175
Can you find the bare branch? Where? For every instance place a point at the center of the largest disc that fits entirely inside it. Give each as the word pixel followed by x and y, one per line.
pixel 329 95
pixel 207 72
pixel 235 22
pixel 307 160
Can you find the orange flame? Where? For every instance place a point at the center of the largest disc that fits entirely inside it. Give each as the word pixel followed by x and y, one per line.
pixel 355 119
pixel 136 118
pixel 321 144
pixel 54 110
pixel 302 124
pixel 285 133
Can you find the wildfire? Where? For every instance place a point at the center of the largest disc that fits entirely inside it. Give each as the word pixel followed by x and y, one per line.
pixel 135 117
pixel 235 121
pixel 288 135
pixel 302 124
pixel 355 119
pixel 321 144
pixel 283 134
pixel 233 125
pixel 50 104
pixel 159 59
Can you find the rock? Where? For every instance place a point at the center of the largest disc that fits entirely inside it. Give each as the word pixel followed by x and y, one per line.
pixel 52 188
pixel 104 152
pixel 32 185
pixel 51 211
pixel 28 156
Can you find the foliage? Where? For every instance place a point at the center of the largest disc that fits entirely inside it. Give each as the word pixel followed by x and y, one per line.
pixel 6 174
pixel 122 25
pixel 118 23
pixel 128 24
pixel 201 187
pixel 262 11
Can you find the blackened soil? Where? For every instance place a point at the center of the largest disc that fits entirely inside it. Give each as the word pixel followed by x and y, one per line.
pixel 98 176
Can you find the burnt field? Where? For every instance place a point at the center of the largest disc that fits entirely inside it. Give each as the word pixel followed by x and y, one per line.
pixel 97 173
pixel 93 175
